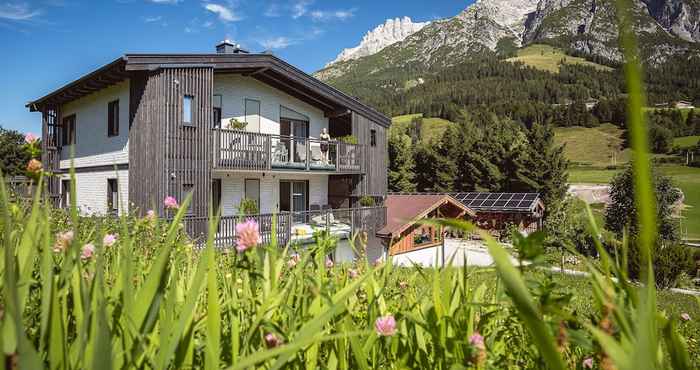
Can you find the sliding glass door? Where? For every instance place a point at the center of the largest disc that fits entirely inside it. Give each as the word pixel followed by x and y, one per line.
pixel 294 197
pixel 296 146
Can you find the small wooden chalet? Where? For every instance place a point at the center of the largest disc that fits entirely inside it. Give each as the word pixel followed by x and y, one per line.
pixel 404 232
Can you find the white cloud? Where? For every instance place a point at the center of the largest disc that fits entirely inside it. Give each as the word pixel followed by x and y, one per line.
pixel 18 12
pixel 280 42
pixel 152 19
pixel 320 15
pixel 225 14
pixel 300 8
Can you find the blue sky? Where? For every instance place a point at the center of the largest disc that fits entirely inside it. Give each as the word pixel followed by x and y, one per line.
pixel 46 44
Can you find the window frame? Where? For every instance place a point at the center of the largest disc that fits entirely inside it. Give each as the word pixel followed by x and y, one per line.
pixel 113 118
pixel 65 193
pixel 259 114
pixel 187 107
pixel 112 191
pixel 68 132
pixel 372 137
pixel 218 109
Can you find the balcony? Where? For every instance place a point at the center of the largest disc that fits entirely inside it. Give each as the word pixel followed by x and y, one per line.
pixel 248 151
pixel 295 227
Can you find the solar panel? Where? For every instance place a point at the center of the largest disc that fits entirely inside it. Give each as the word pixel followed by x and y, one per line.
pixel 498 202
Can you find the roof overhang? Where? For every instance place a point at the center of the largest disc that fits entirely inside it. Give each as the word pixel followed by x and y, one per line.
pixel 446 200
pixel 265 68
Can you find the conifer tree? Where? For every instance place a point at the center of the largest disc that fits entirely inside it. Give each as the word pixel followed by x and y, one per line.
pixel 401 164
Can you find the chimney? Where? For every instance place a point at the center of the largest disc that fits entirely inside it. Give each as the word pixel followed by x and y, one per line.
pixel 228 47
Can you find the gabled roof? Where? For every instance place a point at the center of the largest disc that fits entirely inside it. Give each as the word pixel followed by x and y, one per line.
pixel 404 210
pixel 266 68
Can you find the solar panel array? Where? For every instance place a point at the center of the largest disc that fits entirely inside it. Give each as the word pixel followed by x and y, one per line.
pixel 512 202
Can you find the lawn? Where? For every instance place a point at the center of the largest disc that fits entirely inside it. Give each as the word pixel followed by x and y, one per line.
pixel 432 129
pixel 593 146
pixel 686 178
pixel 686 142
pixel 548 58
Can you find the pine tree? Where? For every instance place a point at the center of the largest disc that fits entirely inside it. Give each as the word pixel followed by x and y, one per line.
pixel 545 166
pixel 401 164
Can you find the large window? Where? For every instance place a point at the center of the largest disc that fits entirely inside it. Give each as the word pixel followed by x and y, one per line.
pixel 252 115
pixel 112 196
pixel 252 190
pixel 68 131
pixel 113 118
pixel 187 110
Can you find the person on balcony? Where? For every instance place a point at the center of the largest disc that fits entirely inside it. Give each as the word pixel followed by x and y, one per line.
pixel 325 138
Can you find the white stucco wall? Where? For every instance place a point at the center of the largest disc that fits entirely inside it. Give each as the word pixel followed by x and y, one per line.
pixel 232 190
pixel 91 191
pixel 92 145
pixel 234 89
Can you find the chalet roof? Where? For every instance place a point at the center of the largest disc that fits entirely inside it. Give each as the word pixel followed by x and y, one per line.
pixel 500 202
pixel 266 68
pixel 404 210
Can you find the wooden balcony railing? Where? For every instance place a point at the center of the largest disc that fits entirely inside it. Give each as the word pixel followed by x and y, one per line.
pixel 240 150
pixel 294 227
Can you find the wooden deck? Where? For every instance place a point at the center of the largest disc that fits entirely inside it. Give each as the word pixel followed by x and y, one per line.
pixel 247 151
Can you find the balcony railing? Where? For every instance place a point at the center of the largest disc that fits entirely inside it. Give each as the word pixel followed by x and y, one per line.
pixel 294 227
pixel 240 150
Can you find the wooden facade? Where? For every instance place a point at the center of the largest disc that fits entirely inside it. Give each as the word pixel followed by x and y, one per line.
pixel 168 157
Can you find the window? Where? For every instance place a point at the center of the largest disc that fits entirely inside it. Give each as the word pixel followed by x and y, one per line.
pixel 187 110
pixel 252 115
pixel 112 196
pixel 252 190
pixel 217 110
pixel 187 189
pixel 65 193
pixel 113 118
pixel 373 137
pixel 68 131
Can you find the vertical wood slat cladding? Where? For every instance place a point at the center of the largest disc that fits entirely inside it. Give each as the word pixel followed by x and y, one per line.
pixel 166 156
pixel 375 181
pixel 50 150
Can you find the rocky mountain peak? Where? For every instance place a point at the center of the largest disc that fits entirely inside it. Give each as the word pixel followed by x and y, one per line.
pixel 391 32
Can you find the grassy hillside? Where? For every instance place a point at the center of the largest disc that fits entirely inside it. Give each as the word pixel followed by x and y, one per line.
pixel 597 147
pixel 686 142
pixel 431 130
pixel 548 58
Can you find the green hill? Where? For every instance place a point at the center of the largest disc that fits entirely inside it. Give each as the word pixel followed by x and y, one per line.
pixel 595 146
pixel 431 128
pixel 548 58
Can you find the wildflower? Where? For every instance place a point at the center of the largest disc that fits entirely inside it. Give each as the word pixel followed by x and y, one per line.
pixel 30 138
pixel 353 273
pixel 403 285
pixel 272 340
pixel 34 166
pixel 685 316
pixel 477 341
pixel 385 325
pixel 587 363
pixel 170 203
pixel 151 215
pixel 63 240
pixel 87 252
pixel 247 235
pixel 109 240
pixel 293 261
pixel 378 262
pixel 329 264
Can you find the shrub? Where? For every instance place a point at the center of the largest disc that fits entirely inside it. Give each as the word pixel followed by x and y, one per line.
pixel 670 261
pixel 235 124
pixel 248 207
pixel 367 201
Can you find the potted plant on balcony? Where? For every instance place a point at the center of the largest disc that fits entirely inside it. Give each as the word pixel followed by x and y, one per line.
pixel 248 207
pixel 235 124
pixel 367 201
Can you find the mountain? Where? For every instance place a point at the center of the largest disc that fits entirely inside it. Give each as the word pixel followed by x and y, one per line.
pixel 665 28
pixel 389 33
